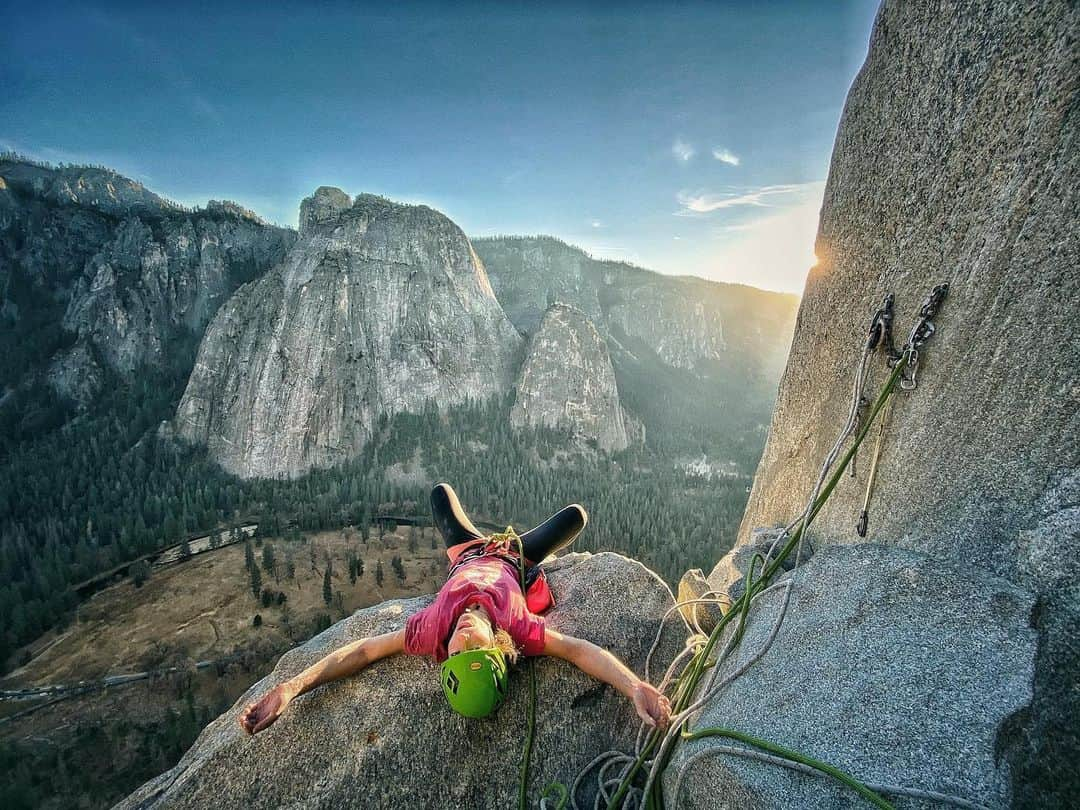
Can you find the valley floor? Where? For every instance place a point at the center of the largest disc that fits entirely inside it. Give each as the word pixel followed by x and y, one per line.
pixel 100 745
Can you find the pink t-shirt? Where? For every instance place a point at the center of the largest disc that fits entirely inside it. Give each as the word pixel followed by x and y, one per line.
pixel 488 581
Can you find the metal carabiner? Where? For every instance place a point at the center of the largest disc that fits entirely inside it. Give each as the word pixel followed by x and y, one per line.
pixel 909 383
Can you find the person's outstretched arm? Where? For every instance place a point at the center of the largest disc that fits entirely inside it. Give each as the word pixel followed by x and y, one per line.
pixel 652 706
pixel 341 663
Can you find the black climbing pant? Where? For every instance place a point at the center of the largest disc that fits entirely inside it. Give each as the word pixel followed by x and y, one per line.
pixel 555 533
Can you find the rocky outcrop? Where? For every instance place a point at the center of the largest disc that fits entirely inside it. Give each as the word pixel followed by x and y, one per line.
pixel 76 374
pixel 897 668
pixel 567 382
pixel 386 738
pixel 956 160
pixel 156 280
pixel 376 309
pixel 685 320
pixel 129 271
pixel 696 361
pixel 92 187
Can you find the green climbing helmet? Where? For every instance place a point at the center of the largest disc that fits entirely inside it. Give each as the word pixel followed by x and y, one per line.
pixel 474 681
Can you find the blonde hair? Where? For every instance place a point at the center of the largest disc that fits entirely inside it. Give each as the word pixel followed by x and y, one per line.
pixel 505 643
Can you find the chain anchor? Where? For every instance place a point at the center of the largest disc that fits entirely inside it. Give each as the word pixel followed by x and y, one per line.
pixel 880 333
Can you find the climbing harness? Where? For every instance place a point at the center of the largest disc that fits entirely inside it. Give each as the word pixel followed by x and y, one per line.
pixel 654 748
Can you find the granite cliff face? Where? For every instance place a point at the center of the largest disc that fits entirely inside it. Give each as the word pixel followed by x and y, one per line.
pixel 567 382
pixel 528 274
pixel 696 361
pixel 896 667
pixel 683 319
pixel 377 308
pixel 129 270
pixel 154 280
pixel 957 160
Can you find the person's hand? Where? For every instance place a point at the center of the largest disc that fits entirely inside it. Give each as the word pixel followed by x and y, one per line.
pixel 652 706
pixel 265 710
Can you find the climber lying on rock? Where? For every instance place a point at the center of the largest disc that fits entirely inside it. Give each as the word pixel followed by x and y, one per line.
pixel 479 620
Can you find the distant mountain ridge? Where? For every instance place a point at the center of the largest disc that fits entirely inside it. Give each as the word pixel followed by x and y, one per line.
pixel 109 274
pixel 377 308
pixel 102 275
pixel 696 360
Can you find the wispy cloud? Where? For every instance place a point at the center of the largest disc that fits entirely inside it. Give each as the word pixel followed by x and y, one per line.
pixel 514 175
pixel 161 60
pixel 775 249
pixel 697 203
pixel 757 235
pixel 597 223
pixel 726 156
pixel 682 150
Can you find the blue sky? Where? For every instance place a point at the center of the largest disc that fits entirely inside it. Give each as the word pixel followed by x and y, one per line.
pixel 688 138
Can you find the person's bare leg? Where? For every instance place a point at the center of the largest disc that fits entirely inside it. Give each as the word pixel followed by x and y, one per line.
pixel 450 517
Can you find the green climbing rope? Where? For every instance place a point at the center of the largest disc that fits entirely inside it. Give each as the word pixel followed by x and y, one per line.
pixel 689 679
pixel 795 756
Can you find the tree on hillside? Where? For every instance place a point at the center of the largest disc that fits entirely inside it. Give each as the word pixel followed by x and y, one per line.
pixel 140 572
pixel 327 588
pixel 413 542
pixel 256 581
pixel 77 502
pixel 399 569
pixel 379 574
pixel 268 558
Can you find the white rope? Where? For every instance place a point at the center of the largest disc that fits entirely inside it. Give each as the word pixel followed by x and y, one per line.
pixel 675 728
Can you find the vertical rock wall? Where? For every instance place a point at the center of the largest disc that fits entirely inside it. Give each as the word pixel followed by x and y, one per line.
pixel 567 381
pixel 957 160
pixel 377 308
